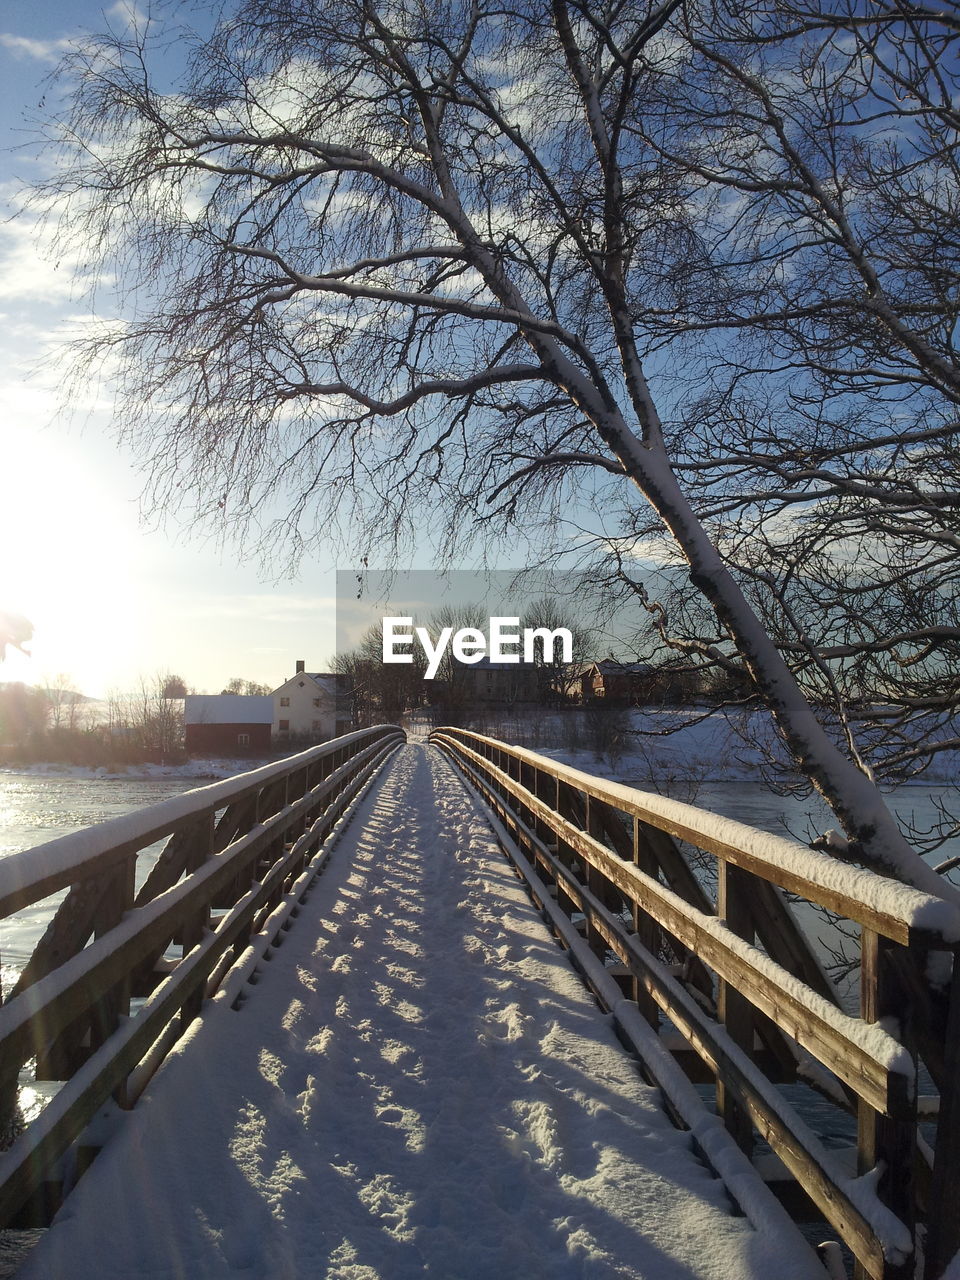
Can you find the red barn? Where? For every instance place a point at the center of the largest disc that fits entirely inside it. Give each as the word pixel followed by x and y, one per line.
pixel 227 724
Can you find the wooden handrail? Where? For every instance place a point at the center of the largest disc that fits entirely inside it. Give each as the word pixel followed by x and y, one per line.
pixel 870 1061
pixel 897 911
pixel 36 873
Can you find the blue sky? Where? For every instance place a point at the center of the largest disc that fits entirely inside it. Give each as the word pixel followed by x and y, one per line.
pixel 110 599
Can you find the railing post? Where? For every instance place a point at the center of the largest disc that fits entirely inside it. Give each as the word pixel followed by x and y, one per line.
pixel 888 1142
pixel 733 1009
pixel 200 849
pixel 943 1218
pixel 106 1012
pixel 595 881
pixel 644 926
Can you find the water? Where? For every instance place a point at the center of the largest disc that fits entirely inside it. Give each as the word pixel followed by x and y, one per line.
pixel 919 807
pixel 38 807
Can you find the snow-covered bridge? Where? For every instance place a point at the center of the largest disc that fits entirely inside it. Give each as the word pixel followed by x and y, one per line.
pixel 398 1072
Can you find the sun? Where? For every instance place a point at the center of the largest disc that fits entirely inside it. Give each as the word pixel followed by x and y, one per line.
pixel 67 547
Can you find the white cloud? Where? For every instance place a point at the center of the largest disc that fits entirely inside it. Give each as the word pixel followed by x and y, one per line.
pixel 38 265
pixel 40 50
pixel 130 14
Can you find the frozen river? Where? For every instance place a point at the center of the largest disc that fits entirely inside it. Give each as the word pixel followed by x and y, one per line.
pixel 38 807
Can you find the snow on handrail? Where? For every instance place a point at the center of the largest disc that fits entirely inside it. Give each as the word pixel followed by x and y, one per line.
pixel 788 863
pixel 34 873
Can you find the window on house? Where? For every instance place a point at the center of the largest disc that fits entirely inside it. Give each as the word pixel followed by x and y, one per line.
pixel 243 739
pixel 316 702
pixel 284 726
pixel 284 702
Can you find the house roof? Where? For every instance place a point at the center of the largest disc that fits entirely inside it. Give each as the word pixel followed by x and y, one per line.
pixel 487 664
pixel 611 667
pixel 328 682
pixel 227 708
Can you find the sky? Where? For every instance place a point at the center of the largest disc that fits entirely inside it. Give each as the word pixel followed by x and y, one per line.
pixel 111 599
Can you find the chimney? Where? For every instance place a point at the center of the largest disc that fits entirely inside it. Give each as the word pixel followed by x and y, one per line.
pixel 300 666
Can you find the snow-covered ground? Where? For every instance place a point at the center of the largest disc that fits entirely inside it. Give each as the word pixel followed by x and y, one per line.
pixel 674 750
pixel 416 1085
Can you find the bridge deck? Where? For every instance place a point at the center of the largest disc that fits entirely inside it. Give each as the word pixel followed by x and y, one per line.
pixel 418 1084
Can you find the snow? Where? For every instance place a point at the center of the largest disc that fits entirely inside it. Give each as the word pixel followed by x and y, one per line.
pixel 417 1083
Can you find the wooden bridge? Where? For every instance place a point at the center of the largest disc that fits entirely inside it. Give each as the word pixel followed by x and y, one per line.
pixel 702 986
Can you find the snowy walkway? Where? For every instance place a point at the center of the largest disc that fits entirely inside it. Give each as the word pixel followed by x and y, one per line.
pixel 418 1085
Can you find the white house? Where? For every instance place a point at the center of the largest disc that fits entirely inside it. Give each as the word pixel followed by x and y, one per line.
pixel 310 705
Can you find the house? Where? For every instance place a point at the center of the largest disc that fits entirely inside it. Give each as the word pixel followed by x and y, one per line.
pixel 502 682
pixel 617 681
pixel 311 705
pixel 227 724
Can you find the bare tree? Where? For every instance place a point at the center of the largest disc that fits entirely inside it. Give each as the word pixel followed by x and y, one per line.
pixel 246 688
pixel 147 722
pixel 816 301
pixel 66 707
pixel 379 694
pixel 556 678
pixel 402 259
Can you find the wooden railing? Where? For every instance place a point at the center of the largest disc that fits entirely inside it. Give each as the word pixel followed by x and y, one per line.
pixel 238 856
pixel 735 976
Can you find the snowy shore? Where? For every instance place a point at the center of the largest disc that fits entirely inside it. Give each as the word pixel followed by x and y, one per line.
pixel 670 750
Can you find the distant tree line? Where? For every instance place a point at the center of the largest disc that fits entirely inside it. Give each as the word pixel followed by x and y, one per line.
pixel 54 723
